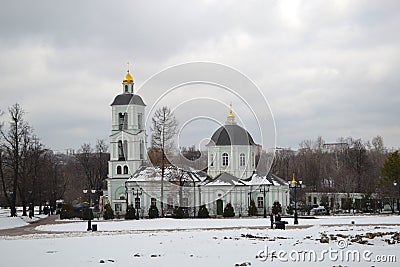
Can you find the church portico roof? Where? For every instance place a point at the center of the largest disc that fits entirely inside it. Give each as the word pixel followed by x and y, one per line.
pixel 148 173
pixel 255 180
pixel 267 180
pixel 225 179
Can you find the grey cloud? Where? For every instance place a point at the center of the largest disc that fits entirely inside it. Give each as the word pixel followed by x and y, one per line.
pixel 327 68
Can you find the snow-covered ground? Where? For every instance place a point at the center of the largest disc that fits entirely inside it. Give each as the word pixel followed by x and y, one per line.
pixel 173 224
pixel 209 242
pixel 7 222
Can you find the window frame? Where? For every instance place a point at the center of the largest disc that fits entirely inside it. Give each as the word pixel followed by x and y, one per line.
pixel 225 159
pixel 260 202
pixel 242 159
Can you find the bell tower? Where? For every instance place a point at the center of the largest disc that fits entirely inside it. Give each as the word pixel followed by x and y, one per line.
pixel 127 142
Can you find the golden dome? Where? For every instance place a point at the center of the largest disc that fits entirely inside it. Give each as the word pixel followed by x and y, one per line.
pixel 128 78
pixel 231 115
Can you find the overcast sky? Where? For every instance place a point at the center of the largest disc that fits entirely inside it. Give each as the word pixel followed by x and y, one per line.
pixel 327 68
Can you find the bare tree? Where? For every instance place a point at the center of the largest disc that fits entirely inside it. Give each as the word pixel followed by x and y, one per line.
pixel 357 162
pixel 32 153
pixel 102 158
pixel 164 128
pixel 14 144
pixel 94 163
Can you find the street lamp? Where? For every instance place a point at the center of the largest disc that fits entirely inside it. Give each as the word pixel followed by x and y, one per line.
pixel 139 192
pixel 395 183
pixel 262 190
pixel 295 185
pixel 89 192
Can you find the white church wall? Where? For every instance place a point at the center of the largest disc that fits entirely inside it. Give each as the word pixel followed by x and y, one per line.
pixel 233 167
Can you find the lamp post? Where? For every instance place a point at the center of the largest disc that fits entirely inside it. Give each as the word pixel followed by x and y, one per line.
pixel 262 190
pixel 89 192
pixel 396 184
pixel 139 192
pixel 295 185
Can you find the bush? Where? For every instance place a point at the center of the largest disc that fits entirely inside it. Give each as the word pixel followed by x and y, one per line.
pixel 347 204
pixel 153 212
pixel 276 208
pixel 203 212
pixel 178 213
pixel 290 210
pixel 252 209
pixel 228 211
pixel 130 213
pixel 108 213
pixel 67 211
pixel 85 213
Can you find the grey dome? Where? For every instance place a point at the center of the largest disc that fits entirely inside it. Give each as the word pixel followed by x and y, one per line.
pixel 127 99
pixel 231 135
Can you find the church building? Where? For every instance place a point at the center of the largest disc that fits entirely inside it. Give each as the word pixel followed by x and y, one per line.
pixel 231 175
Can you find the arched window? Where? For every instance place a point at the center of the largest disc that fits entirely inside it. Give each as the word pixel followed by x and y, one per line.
pixel 119 170
pixel 225 160
pixel 252 159
pixel 126 169
pixel 242 160
pixel 212 160
pixel 126 88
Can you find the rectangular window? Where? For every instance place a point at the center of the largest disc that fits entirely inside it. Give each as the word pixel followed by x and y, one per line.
pixel 125 121
pixel 125 149
pixel 260 202
pixel 153 201
pixel 121 121
pixel 121 155
pixel 315 200
pixel 212 160
pixel 141 150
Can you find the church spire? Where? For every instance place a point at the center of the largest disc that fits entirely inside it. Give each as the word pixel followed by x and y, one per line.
pixel 230 120
pixel 128 82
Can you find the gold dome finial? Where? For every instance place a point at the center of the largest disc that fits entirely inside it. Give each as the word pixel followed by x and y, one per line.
pixel 128 79
pixel 230 111
pixel 293 180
